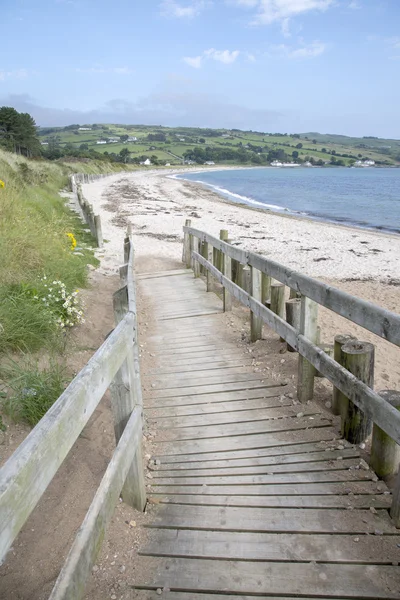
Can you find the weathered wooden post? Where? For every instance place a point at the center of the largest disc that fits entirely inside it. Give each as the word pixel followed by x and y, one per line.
pixel 245 278
pixel 395 508
pixel 293 294
pixel 339 342
pixel 123 401
pixel 358 358
pixel 202 246
pixel 308 328
pixel 208 251
pixel 385 452
pixel 255 322
pixel 227 271
pixel 278 300
pixel 328 349
pixel 223 235
pixel 196 264
pixel 265 288
pixel 186 246
pixel 191 262
pixel 99 232
pixel 293 308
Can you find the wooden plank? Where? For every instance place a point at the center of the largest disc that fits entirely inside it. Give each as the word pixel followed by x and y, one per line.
pixel 28 472
pixel 286 451
pixel 246 441
pixel 289 459
pixel 289 520
pixel 219 407
pixel 212 389
pixel 82 556
pixel 258 547
pixel 306 501
pixel 345 488
pixel 308 467
pixel 203 360
pixel 153 595
pixel 218 397
pixel 236 429
pixel 194 314
pixel 181 382
pixel 242 416
pixel 202 367
pixel 255 578
pixel 277 478
pixel 161 274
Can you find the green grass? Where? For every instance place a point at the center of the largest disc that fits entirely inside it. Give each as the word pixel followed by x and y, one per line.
pixel 30 390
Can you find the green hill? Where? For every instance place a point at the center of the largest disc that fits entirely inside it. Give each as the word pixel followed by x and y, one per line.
pixel 174 145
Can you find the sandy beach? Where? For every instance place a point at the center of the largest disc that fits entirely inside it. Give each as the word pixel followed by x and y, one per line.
pixel 362 262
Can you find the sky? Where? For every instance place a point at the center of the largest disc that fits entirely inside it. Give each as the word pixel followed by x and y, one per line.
pixel 329 66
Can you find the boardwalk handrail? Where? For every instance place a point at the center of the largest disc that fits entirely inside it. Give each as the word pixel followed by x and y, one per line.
pixel 27 473
pixel 355 309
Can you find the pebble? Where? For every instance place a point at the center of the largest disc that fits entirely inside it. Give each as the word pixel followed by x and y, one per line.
pixel 300 414
pixel 153 385
pixel 373 510
pixel 362 445
pixel 328 404
pixel 356 539
pixel 283 361
pixel 290 395
pixel 159 591
pixel 122 569
pixel 378 532
pixel 113 597
pixel 95 568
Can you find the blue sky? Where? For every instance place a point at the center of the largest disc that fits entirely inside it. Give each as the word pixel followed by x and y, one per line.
pixel 269 65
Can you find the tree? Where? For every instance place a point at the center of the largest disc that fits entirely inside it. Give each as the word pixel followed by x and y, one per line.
pixel 124 154
pixel 18 132
pixel 84 147
pixel 123 138
pixel 314 141
pixel 300 145
pixel 295 154
pixel 323 149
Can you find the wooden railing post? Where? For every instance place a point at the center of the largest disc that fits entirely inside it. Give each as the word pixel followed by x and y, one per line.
pixel 186 245
pixel 196 264
pixel 208 251
pixel 308 328
pixel 265 288
pixel 99 231
pixel 278 300
pixel 223 235
pixel 293 309
pixel 358 358
pixel 385 453
pixel 337 396
pixel 395 508
pixel 227 271
pixel 255 322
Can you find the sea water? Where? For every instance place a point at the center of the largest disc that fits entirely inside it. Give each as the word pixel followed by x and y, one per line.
pixel 364 197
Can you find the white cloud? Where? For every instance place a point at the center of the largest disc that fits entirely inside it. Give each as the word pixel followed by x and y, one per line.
pixel 16 74
pixel 269 11
pixel 195 62
pixel 303 51
pixel 227 57
pixel 189 10
pixel 224 56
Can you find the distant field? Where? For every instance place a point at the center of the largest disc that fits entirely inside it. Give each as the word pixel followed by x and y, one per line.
pixel 375 149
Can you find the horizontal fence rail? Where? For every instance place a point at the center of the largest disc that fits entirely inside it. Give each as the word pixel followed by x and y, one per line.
pixel 370 316
pixel 92 220
pixel 26 475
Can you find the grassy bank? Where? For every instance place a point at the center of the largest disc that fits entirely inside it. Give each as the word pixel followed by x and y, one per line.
pixel 45 252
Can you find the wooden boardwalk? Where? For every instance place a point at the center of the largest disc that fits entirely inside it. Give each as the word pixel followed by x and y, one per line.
pixel 256 499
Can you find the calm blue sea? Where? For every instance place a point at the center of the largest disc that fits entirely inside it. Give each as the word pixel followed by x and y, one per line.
pixel 366 197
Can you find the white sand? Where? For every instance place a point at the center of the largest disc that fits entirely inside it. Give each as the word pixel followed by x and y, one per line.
pixel 156 204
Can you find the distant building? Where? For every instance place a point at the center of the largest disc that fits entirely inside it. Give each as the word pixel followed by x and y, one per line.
pixel 181 139
pixel 364 163
pixel 101 142
pixel 132 139
pixel 209 162
pixel 226 135
pixel 85 129
pixel 167 164
pixel 44 143
pixel 146 162
pixel 113 141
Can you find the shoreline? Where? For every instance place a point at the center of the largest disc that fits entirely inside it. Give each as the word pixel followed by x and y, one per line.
pixel 284 212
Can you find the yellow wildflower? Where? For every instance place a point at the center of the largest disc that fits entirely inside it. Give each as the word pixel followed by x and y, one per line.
pixel 2 184
pixel 72 240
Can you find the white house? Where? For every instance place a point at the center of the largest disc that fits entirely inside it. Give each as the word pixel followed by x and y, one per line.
pixel 132 139
pixel 113 141
pixel 44 143
pixel 209 162
pixel 101 142
pixel 146 162
pixel 84 129
pixel 364 163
